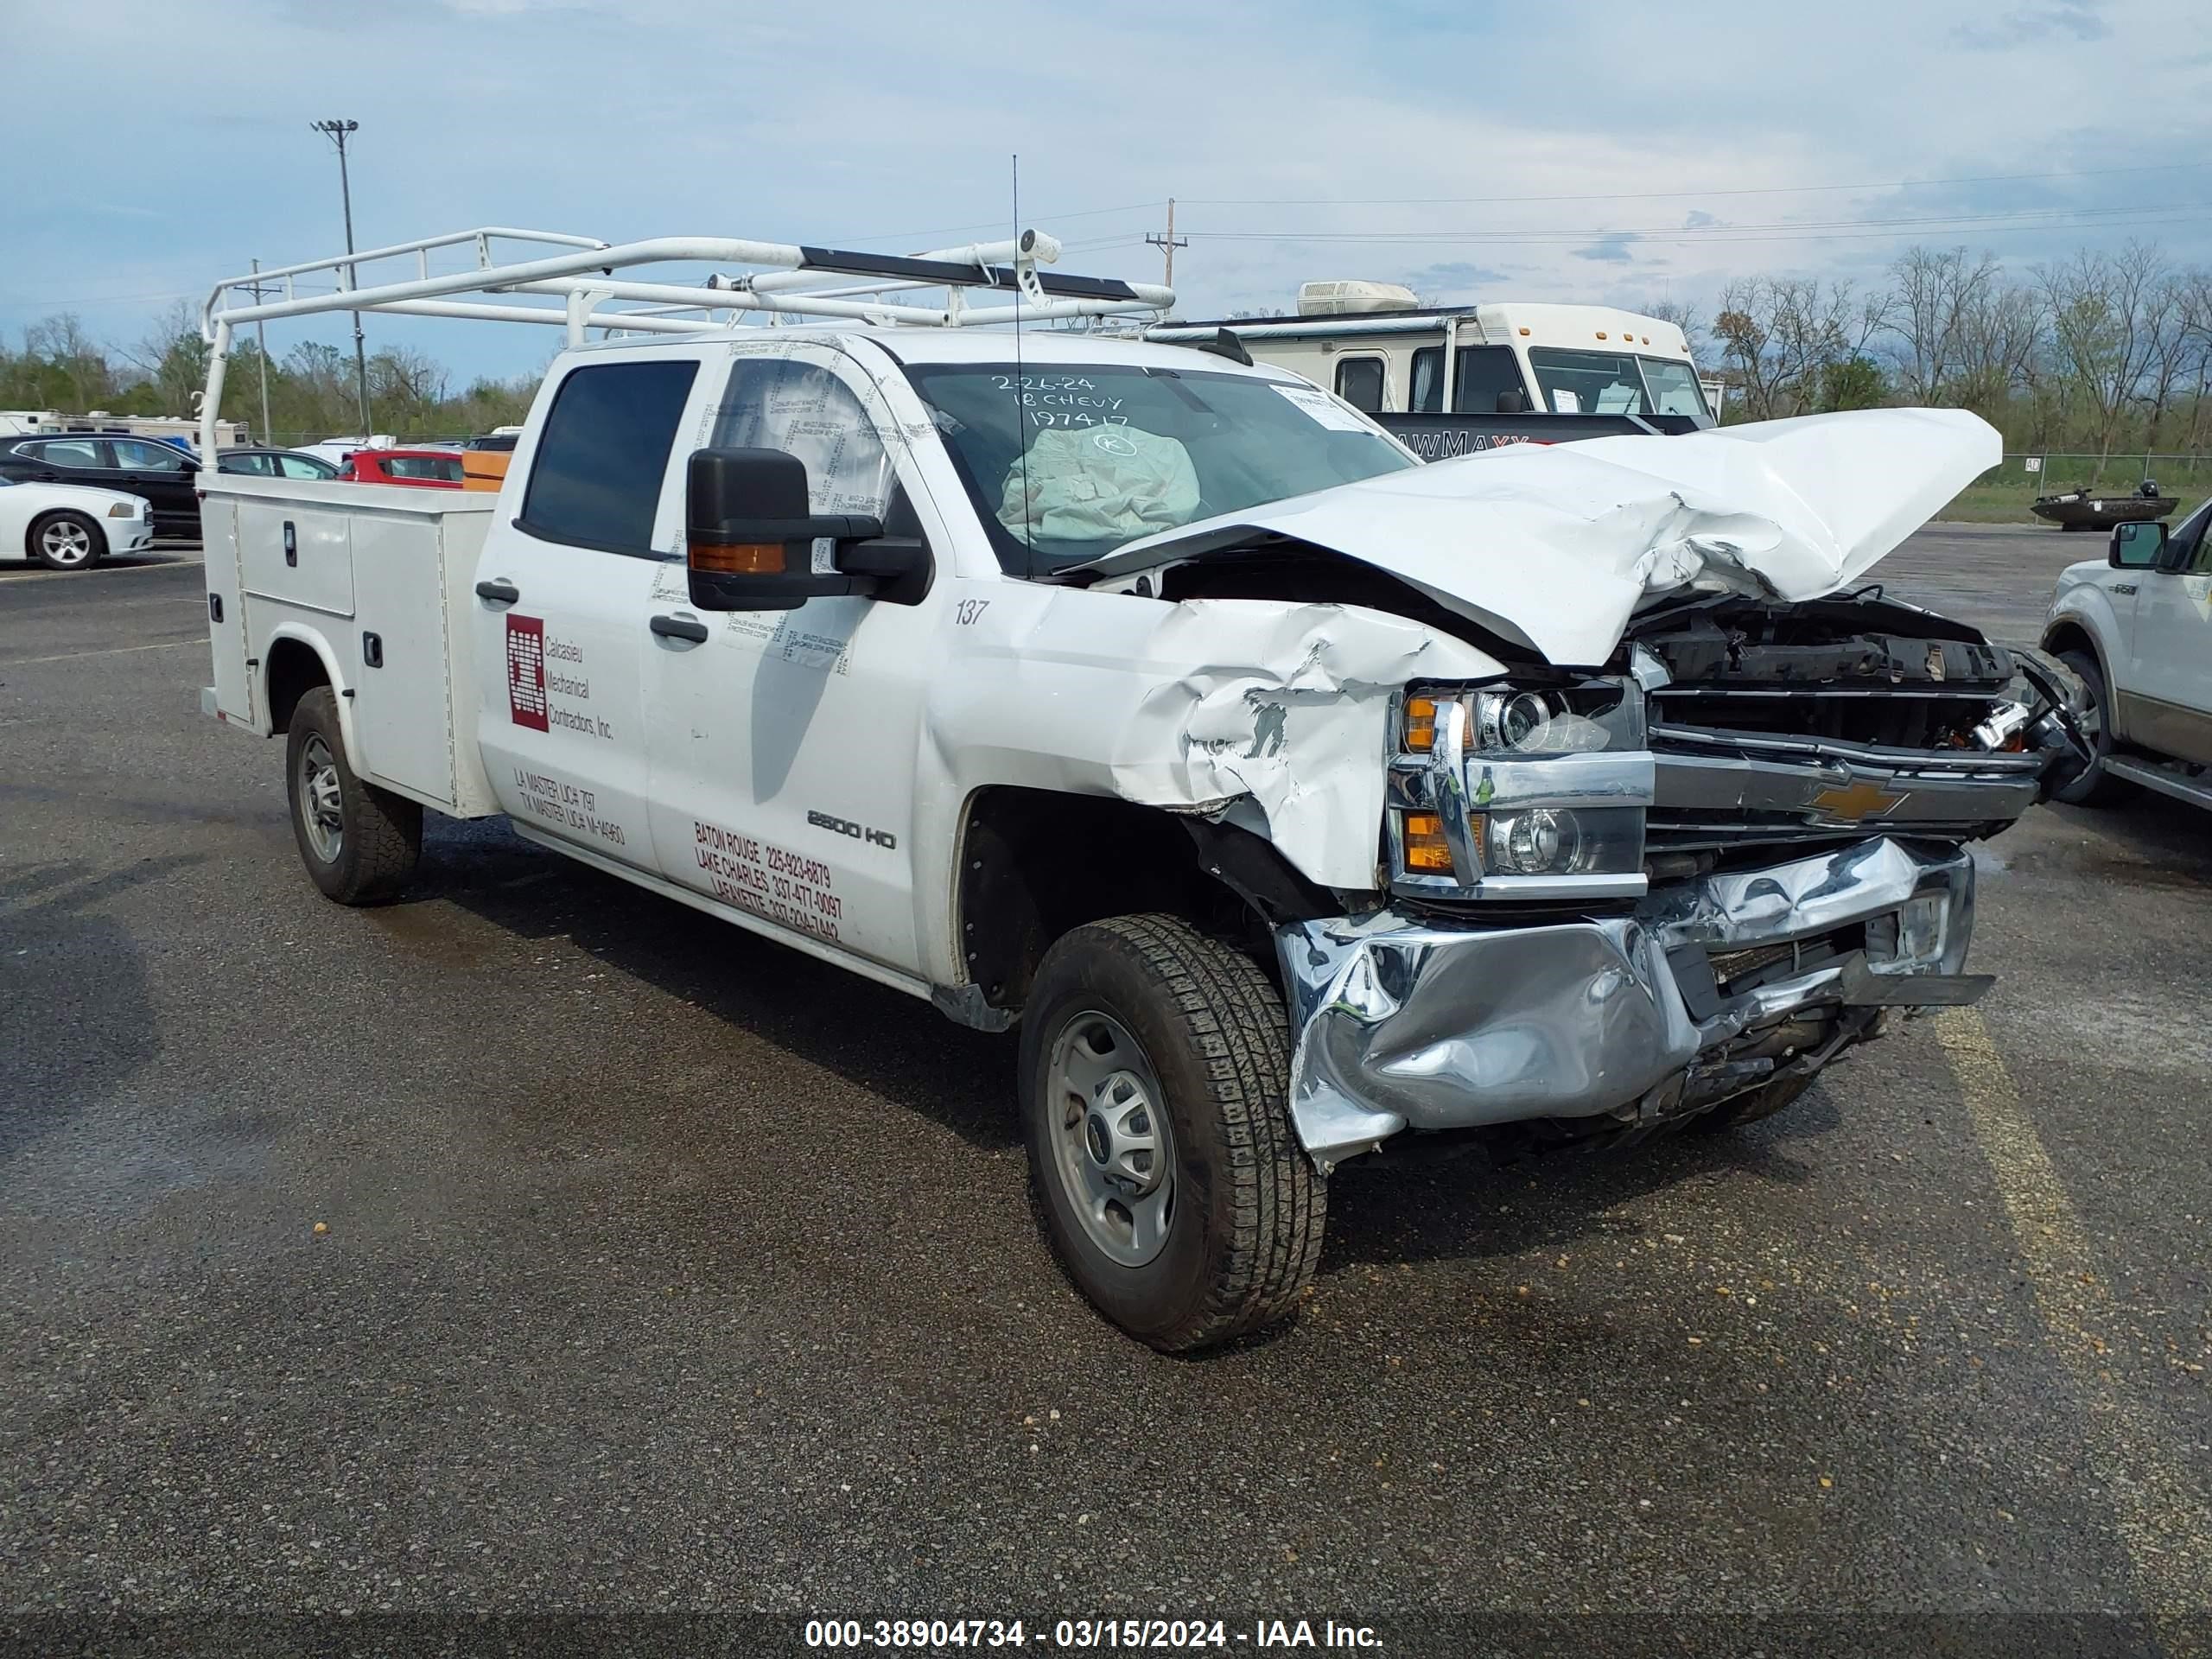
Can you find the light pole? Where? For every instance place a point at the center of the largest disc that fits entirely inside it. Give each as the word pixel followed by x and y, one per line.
pixel 337 132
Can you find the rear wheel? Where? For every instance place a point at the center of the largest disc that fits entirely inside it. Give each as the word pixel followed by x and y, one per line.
pixel 67 541
pixel 2090 785
pixel 360 843
pixel 1155 1069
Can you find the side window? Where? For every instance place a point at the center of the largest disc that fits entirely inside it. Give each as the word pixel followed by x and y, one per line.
pixel 139 456
pixel 2194 555
pixel 596 479
pixel 299 466
pixel 1484 372
pixel 1359 382
pixel 1429 381
pixel 805 409
pixel 259 466
pixel 69 452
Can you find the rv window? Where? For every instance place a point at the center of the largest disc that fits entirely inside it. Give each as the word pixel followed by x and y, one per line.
pixel 1484 372
pixel 1359 382
pixel 1428 382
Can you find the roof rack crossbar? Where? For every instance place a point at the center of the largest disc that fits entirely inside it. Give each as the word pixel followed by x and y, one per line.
pixel 581 272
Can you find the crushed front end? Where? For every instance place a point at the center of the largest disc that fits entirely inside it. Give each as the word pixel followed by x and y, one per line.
pixel 1621 900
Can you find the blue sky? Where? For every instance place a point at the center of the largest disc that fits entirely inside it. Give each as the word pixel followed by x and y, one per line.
pixel 1590 151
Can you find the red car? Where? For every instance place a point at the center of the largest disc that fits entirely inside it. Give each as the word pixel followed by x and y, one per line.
pixel 424 470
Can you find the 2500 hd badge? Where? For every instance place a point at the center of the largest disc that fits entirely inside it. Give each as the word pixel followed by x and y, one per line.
pixel 882 838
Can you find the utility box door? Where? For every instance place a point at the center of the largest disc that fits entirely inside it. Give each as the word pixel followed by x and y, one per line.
pixel 403 702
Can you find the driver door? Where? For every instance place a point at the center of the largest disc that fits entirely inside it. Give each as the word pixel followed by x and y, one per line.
pixel 784 744
pixel 2167 705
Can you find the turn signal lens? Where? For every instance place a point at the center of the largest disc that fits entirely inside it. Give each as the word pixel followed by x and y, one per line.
pixel 1427 851
pixel 739 558
pixel 1420 724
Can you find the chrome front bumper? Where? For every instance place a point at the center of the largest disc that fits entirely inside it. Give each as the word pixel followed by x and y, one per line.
pixel 1401 1022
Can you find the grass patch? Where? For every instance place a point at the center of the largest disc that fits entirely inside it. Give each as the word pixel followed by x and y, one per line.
pixel 2003 494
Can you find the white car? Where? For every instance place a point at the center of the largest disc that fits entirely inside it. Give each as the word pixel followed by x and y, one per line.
pixel 69 527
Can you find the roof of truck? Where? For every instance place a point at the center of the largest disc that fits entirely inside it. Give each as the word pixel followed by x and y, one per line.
pixel 960 345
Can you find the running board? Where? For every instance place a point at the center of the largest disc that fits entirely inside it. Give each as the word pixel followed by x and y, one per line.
pixel 2197 792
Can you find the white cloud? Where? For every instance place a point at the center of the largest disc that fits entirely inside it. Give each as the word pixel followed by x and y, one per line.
pixel 1302 140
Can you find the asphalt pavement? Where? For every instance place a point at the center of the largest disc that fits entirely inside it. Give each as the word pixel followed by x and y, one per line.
pixel 538 1250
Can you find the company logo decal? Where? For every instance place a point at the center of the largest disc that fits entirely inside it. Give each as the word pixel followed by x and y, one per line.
pixel 526 704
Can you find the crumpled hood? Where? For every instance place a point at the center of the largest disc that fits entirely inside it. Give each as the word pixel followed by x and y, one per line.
pixel 1555 546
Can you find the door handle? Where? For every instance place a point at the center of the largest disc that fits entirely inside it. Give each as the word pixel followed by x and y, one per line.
pixel 680 627
pixel 498 593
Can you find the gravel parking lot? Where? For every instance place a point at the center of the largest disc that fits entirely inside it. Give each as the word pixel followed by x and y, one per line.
pixel 668 1272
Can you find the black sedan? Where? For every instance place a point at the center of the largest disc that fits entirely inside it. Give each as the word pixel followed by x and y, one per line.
pixel 162 473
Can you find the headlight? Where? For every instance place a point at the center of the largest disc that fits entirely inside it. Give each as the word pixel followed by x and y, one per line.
pixel 1521 791
pixel 123 510
pixel 1523 721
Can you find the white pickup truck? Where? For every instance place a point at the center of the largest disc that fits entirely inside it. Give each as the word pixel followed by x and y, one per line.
pixel 1292 797
pixel 2136 627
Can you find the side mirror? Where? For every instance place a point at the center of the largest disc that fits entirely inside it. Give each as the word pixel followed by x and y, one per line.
pixel 1515 401
pixel 752 542
pixel 2139 544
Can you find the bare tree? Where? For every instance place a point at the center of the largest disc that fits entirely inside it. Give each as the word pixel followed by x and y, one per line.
pixel 2104 313
pixel 1936 293
pixel 173 357
pixel 74 360
pixel 1781 336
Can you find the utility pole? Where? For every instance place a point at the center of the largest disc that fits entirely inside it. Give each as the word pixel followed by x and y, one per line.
pixel 338 132
pixel 261 351
pixel 1169 243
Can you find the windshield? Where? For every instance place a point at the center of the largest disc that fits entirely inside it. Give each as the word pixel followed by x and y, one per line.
pixel 1066 463
pixel 1615 382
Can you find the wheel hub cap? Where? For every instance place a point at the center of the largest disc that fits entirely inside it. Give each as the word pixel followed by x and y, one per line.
pixel 322 804
pixel 1111 1154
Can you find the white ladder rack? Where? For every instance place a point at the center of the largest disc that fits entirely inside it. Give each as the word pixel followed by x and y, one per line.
pixel 578 270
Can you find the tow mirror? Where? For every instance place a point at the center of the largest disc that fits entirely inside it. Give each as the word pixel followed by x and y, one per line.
pixel 752 544
pixel 2138 544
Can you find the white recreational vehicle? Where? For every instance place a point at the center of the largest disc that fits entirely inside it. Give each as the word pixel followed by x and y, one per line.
pixel 1378 349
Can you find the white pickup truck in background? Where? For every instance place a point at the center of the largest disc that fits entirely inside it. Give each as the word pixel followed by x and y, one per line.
pixel 2136 627
pixel 1291 797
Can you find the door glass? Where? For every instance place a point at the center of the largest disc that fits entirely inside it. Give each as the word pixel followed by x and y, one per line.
pixel 133 454
pixel 596 479
pixel 301 466
pixel 804 409
pixel 1484 371
pixel 1359 382
pixel 76 452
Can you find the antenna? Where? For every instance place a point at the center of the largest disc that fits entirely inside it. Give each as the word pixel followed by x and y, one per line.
pixel 1020 384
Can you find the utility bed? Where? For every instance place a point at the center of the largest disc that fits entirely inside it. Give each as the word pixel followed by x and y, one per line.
pixel 286 557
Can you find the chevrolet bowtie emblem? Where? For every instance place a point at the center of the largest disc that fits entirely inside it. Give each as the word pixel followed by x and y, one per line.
pixel 1856 802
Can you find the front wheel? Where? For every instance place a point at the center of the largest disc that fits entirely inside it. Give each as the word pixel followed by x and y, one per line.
pixel 1155 1084
pixel 67 541
pixel 360 843
pixel 2091 784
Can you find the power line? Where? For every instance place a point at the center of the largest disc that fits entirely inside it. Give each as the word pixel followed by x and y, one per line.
pixel 2038 218
pixel 1662 195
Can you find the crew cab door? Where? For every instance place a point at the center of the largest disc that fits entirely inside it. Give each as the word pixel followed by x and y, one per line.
pixel 784 742
pixel 562 596
pixel 2166 694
